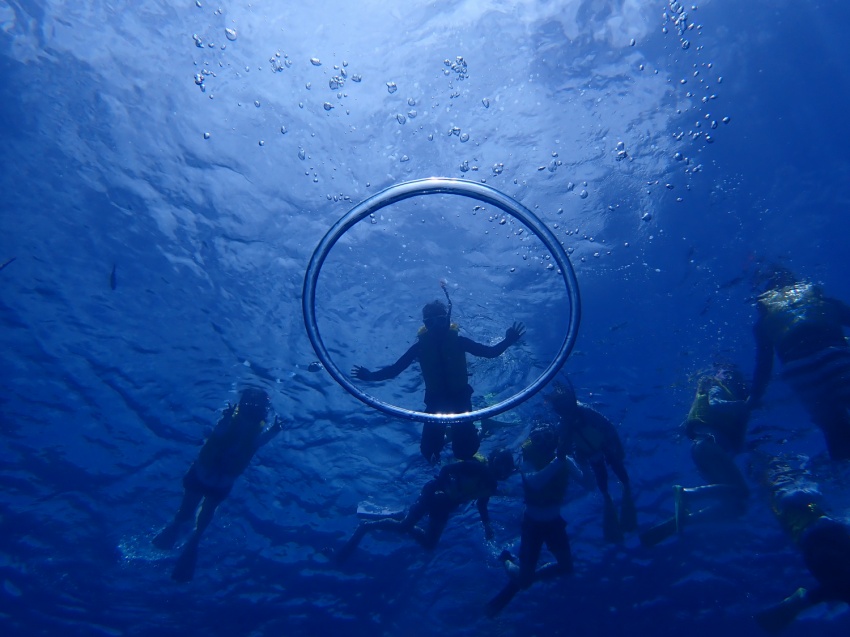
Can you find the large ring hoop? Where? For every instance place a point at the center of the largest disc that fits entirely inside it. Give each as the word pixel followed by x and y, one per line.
pixel 431 186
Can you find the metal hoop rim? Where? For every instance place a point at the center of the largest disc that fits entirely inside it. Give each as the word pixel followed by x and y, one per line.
pixel 429 186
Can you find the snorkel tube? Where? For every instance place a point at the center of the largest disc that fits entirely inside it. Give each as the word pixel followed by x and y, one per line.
pixel 444 285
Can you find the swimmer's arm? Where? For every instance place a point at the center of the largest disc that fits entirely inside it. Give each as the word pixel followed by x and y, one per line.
pixel 270 432
pixel 722 406
pixel 391 371
pixel 512 335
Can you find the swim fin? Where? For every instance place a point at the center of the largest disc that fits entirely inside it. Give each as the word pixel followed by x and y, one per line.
pixel 659 533
pixel 184 570
pixel 370 511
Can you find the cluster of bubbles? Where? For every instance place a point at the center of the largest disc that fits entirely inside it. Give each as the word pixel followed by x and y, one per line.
pixel 458 67
pixel 455 131
pixel 279 62
pixel 200 78
pixel 697 83
pixel 553 164
pixel 411 112
pixel 679 18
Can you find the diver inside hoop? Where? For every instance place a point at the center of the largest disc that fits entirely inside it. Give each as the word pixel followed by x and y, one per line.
pixel 441 352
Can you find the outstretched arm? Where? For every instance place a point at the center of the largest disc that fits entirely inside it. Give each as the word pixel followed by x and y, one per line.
pixel 391 371
pixel 512 335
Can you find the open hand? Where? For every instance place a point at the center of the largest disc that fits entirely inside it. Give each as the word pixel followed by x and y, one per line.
pixel 361 373
pixel 514 332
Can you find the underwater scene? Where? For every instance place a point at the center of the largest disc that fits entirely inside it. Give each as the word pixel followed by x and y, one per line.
pixel 400 319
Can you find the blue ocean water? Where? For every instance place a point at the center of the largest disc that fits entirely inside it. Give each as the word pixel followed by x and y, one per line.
pixel 168 169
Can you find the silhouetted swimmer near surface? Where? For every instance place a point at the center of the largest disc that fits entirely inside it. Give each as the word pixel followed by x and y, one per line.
pixel 475 480
pixel 593 441
pixel 717 426
pixel 441 352
pixel 546 473
pixel 823 540
pixel 228 451
pixel 804 329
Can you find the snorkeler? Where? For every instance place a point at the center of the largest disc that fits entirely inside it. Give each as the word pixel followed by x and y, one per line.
pixel 240 432
pixel 441 352
pixel 592 440
pixel 823 540
pixel 546 473
pixel 805 330
pixel 717 427
pixel 456 484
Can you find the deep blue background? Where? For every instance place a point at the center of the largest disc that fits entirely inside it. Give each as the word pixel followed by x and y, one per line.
pixel 108 393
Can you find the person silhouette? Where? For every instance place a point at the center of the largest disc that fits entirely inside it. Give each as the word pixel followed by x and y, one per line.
pixel 240 432
pixel 441 352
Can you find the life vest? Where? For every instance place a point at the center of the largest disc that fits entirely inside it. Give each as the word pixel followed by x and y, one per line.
pixel 702 419
pixel 228 451
pixel 789 308
pixel 443 363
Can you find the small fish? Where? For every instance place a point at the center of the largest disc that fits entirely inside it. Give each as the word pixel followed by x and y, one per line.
pixel 7 262
pixel 113 282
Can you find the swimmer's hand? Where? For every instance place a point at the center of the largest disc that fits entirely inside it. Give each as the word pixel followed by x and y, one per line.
pixel 361 373
pixel 514 333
